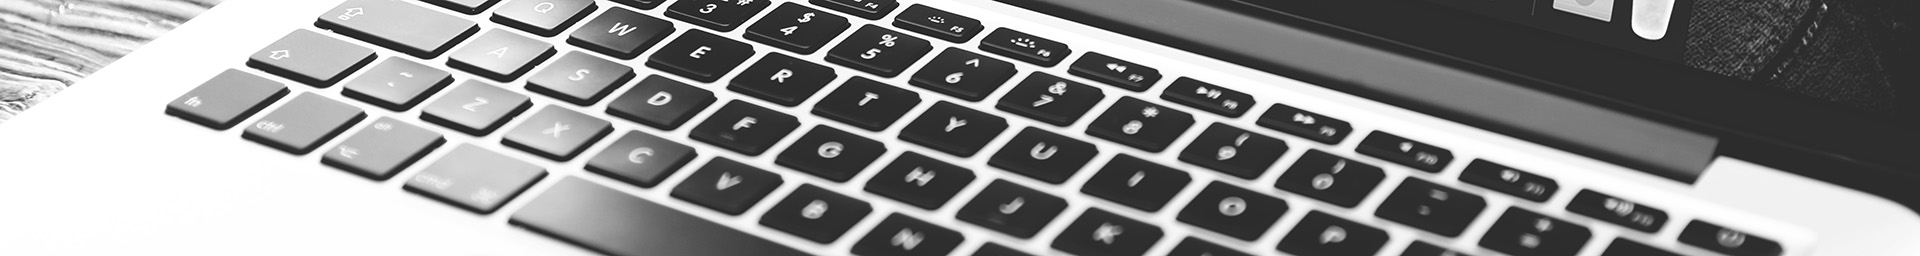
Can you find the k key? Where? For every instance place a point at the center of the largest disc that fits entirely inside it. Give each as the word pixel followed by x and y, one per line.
pixel 1099 232
pixel 1012 209
pixel 727 186
pixel 797 28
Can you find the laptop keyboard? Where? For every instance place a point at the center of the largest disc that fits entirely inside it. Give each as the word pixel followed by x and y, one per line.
pixel 777 87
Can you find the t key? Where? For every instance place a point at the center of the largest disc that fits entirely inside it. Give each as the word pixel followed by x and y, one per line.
pixel 953 129
pixel 311 58
pixel 226 99
pixel 304 123
pixel 867 104
pixel 745 128
pixel 1012 209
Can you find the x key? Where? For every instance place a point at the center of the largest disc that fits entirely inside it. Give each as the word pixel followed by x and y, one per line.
pixel 557 133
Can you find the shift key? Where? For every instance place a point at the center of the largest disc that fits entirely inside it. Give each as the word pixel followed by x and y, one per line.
pixel 399 25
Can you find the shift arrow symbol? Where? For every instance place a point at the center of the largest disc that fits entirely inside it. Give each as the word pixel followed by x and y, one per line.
pixel 280 54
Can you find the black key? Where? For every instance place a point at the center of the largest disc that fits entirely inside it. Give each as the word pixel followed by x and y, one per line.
pixel 867 104
pixel 1196 247
pixel 1725 240
pixel 1403 151
pixel 830 153
pixel 816 214
pixel 745 128
pixel 1024 47
pixel 304 123
pixel 920 181
pixel 902 235
pixel 1233 151
pixel 1012 209
pixel 475 108
pixel 1419 248
pixel 1523 232
pixel 464 6
pixel 1330 178
pixel 382 149
pixel 1143 125
pixel 1518 183
pixel 953 129
pixel 397 84
pixel 1115 72
pixel 1052 158
pixel 727 186
pixel 1323 234
pixel 782 80
pixel 1099 232
pixel 1233 211
pixel 721 15
pixel 700 56
pixel 613 222
pixel 1305 124
pixel 500 55
pixel 398 25
pixel 995 249
pixel 660 102
pixel 557 133
pixel 1431 207
pixel 542 17
pixel 937 23
pixel 621 33
pixel 1209 97
pixel 963 74
pixel 311 58
pixel 642 4
pixel 869 9
pixel 1136 183
pixel 475 179
pixel 641 159
pixel 1624 247
pixel 1618 211
pixel 1050 99
pixel 797 28
pixel 226 99
pixel 579 78
pixel 879 51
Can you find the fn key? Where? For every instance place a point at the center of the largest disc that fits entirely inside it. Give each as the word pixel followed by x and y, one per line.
pixel 226 99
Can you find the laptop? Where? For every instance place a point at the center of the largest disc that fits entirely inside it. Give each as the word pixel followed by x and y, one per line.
pixel 930 127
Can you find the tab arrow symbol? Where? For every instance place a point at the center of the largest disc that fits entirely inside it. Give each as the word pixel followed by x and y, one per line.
pixel 280 54
pixel 727 180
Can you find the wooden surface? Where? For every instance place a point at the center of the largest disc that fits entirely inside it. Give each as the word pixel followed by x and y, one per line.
pixel 47 45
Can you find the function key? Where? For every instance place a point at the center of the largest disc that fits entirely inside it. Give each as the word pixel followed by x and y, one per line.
pixel 902 235
pixel 464 6
pixel 557 133
pixel 782 80
pixel 1496 177
pixel 1050 99
pixel 963 74
pixel 869 9
pixel 1431 207
pixel 726 186
pixel 641 159
pixel 311 58
pixel 1330 178
pixel 475 108
pixel 1322 234
pixel 621 33
pixel 1305 124
pixel 579 78
pixel 1196 247
pixel 1099 232
pixel 700 56
pixel 1136 183
pixel 830 153
pixel 1233 211
pixel 614 222
pixel 867 104
pixel 1618 211
pixel 816 214
pixel 744 127
pixel 1052 158
pixel 797 28
pixel 954 129
pixel 720 15
pixel 475 179
pixel 399 25
pixel 879 51
pixel 1624 247
pixel 1233 151
pixel 226 99
pixel 660 102
pixel 1025 47
pixel 1115 72
pixel 1143 125
pixel 304 123
pixel 397 84
pixel 382 149
pixel 642 4
pixel 937 23
pixel 1012 209
pixel 1394 148
pixel 542 17
pixel 1209 97
pixel 500 55
pixel 1523 232
pixel 1421 248
pixel 1725 240
pixel 920 181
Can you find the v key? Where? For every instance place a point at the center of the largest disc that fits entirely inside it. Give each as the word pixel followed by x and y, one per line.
pixel 736 186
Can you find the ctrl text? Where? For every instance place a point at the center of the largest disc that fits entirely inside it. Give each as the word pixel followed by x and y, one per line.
pixel 269 126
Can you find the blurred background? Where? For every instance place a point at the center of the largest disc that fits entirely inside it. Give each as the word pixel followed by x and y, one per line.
pixel 47 45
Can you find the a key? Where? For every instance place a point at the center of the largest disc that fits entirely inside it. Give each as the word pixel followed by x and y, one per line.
pixel 641 159
pixel 937 23
pixel 557 133
pixel 719 15
pixel 920 181
pixel 816 214
pixel 398 25
pixel 953 129
pixel 1420 248
pixel 726 186
pixel 1624 247
pixel 1142 125
pixel 1233 151
pixel 660 102
pixel 1099 232
pixel 579 78
pixel 878 51
pixel 1115 72
pixel 311 58
pixel 797 28
pixel 1043 155
pixel 304 123
pixel 1618 211
pixel 963 74
pixel 995 249
pixel 475 108
pixel 1523 232
pixel 613 222
pixel 1403 151
pixel 1012 209
pixel 1195 247
pixel 382 149
pixel 700 56
pixel 1329 178
pixel 1050 99
pixel 1721 239
pixel 642 4
pixel 1208 97
pixel 227 98
pixel 745 128
pixel 1233 211
pixel 830 153
pixel 621 33
pixel 782 80
pixel 1024 47
pixel 397 84
pixel 1516 182
pixel 469 7
pixel 907 236
pixel 869 9
pixel 1322 234
pixel 542 17
pixel 1305 124
pixel 500 55
pixel 1136 183
pixel 867 104
pixel 1431 207
pixel 475 179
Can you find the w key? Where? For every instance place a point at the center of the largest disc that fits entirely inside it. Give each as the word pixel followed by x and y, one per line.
pixel 621 33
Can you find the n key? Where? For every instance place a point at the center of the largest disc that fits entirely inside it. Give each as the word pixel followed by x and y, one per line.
pixel 1043 155
pixel 721 15
pixel 953 129
pixel 902 235
pixel 1099 232
pixel 1012 209
pixel 727 186
pixel 304 123
pixel 311 58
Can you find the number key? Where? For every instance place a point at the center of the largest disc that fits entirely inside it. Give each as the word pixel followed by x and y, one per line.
pixel 721 15
pixel 797 28
pixel 1233 211
pixel 1051 99
pixel 1330 178
pixel 963 74
pixel 1233 151
pixel 1143 125
pixel 879 51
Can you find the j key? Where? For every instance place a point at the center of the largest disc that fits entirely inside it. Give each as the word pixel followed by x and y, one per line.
pixel 1419 248
pixel 1143 125
pixel 1233 211
pixel 816 214
pixel 963 74
pixel 1619 211
pixel 920 181
pixel 1518 183
pixel 475 179
pixel 1624 247
pixel 398 25
pixel 1394 148
pixel 382 149
pixel 1330 178
pixel 1725 240
pixel 727 186
pixel 642 4
pixel 902 235
pixel 797 28
pixel 1024 47
pixel 1099 232
pixel 1012 209
pixel 953 129
pixel 995 249
pixel 475 108
pixel 1523 232
pixel 557 133
pixel 830 153
pixel 660 102
pixel 721 15
pixel 641 159
pixel 1431 207
pixel 311 58
pixel 500 55
pixel 1196 247
pixel 782 80
pixel 469 7
pixel 613 222
pixel 700 56
pixel 1051 99
pixel 621 33
pixel 1305 124
pixel 937 23
pixel 1043 155
pixel 397 84
pixel 579 78
pixel 745 128
pixel 304 123
pixel 867 104
pixel 1136 183
pixel 1233 151
pixel 879 51
pixel 1209 97
pixel 869 9
pixel 226 99
pixel 1115 72
pixel 542 17
pixel 1323 234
